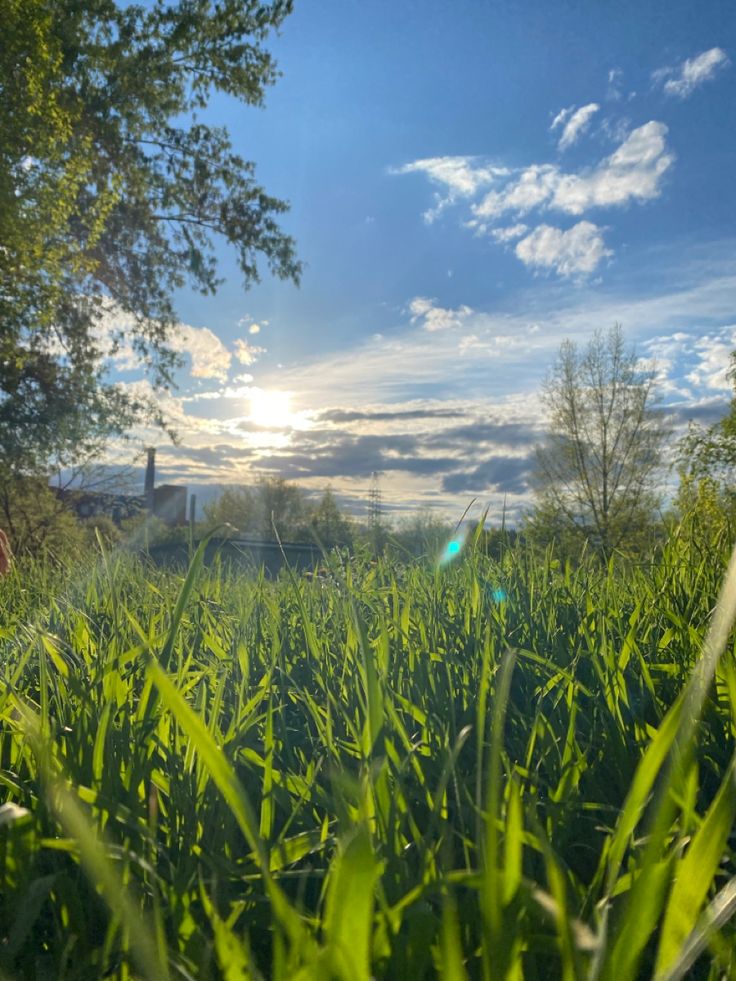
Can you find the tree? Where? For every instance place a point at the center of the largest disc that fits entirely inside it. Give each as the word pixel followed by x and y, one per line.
pixel 234 507
pixel 280 506
pixel 36 520
pixel 273 502
pixel 112 193
pixel 328 523
pixel 596 470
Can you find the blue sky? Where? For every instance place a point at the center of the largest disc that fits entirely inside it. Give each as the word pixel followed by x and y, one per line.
pixel 470 183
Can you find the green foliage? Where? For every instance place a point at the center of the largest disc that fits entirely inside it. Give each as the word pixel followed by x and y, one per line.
pixel 235 507
pixel 386 773
pixel 111 197
pixel 706 512
pixel 37 522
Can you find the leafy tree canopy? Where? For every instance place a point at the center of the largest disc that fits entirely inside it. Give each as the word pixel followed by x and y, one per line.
pixel 112 194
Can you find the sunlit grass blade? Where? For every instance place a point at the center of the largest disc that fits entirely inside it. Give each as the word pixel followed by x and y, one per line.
pixel 453 967
pixel 715 916
pixel 497 944
pixel 694 873
pixel 349 912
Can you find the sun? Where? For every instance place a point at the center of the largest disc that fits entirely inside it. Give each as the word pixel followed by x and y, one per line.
pixel 270 409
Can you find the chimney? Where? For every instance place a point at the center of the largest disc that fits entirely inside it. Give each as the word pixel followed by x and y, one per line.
pixel 150 477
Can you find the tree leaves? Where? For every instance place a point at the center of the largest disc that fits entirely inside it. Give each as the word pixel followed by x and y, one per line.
pixel 110 190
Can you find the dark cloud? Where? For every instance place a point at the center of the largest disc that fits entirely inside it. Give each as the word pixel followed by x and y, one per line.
pixel 357 456
pixel 500 473
pixel 220 455
pixel 354 415
pixel 480 431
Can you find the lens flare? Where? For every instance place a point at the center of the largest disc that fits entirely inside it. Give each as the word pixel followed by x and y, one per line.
pixel 453 548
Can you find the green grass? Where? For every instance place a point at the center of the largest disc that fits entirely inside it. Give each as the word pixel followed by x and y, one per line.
pixel 386 772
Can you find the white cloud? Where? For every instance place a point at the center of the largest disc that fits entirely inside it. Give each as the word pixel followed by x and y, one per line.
pixel 254 329
pixel 561 116
pixel 210 358
pixel 615 78
pixel 532 189
pixel 574 123
pixel 632 172
pixel 713 352
pixel 574 252
pixel 247 353
pixel 685 78
pixel 462 177
pixel 432 318
pixel 509 233
pixel 208 355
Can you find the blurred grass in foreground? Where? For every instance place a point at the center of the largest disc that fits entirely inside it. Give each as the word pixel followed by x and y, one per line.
pixel 388 771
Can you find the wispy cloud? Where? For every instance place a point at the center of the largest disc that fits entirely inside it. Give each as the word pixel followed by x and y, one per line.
pixel 574 122
pixel 247 353
pixel 462 177
pixel 509 233
pixel 682 80
pixel 432 317
pixel 615 81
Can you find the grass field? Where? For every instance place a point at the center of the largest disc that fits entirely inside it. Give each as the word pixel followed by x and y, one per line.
pixel 486 770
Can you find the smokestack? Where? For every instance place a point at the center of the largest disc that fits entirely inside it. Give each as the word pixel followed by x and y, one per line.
pixel 150 477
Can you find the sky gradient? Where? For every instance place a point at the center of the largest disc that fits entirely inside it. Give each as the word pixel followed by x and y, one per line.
pixel 470 184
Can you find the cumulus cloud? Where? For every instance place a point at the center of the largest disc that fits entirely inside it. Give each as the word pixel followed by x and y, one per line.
pixel 432 317
pixel 632 172
pixel 574 122
pixel 574 252
pixel 713 366
pixel 209 356
pixel 247 353
pixel 682 80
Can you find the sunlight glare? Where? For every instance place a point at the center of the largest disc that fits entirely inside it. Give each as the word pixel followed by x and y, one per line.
pixel 270 409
